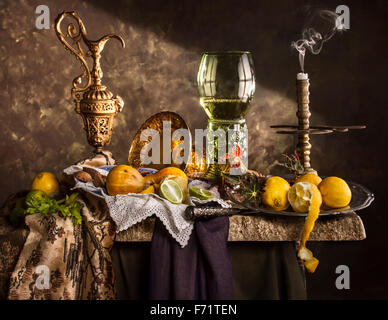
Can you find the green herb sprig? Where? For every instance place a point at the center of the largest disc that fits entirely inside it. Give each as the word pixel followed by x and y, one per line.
pixel 293 164
pixel 44 205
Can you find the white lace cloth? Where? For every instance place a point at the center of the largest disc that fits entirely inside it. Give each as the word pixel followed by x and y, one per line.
pixel 127 210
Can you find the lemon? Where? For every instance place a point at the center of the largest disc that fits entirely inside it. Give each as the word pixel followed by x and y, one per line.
pixel 275 193
pixel 166 172
pixel 35 196
pixel 171 191
pixel 124 179
pixel 46 182
pixel 150 189
pixel 200 194
pixel 335 192
pixel 313 178
pixel 171 173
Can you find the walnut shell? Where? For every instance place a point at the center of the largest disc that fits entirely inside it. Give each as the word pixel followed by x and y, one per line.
pixel 98 179
pixel 83 176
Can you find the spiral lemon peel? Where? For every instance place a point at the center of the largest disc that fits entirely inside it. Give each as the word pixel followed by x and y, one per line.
pixel 302 196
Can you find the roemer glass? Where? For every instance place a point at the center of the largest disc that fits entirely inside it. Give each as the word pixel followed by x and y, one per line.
pixel 226 85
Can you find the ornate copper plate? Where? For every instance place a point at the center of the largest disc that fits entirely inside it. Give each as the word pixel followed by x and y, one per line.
pixel 156 122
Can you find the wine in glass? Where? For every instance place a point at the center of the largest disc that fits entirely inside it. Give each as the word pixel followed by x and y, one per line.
pixel 226 85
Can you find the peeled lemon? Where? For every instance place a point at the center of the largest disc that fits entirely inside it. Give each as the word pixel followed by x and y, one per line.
pixel 313 178
pixel 335 192
pixel 275 193
pixel 301 196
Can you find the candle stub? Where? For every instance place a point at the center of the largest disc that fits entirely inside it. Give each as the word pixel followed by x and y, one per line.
pixel 302 76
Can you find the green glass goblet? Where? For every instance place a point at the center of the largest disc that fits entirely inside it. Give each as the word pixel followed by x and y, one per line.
pixel 226 85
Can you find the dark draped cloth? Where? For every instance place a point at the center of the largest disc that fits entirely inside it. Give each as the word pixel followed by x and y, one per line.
pixel 261 270
pixel 200 270
pixel 163 270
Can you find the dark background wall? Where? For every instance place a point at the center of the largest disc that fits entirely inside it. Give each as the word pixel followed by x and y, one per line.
pixel 157 71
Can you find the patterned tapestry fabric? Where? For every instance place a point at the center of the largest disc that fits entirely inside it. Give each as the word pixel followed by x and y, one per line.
pixel 53 251
pixel 11 244
pixel 98 234
pixel 59 260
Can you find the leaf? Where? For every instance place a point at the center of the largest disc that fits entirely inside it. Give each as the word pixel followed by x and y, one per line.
pixel 45 208
pixel 66 207
pixel 72 198
pixel 65 211
pixel 31 210
pixel 76 215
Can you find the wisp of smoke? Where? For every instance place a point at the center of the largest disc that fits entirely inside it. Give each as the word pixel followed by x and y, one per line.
pixel 321 28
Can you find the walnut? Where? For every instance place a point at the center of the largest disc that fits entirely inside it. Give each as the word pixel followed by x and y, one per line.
pixel 98 179
pixel 84 176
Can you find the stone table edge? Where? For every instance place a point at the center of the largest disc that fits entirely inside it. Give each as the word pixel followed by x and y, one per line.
pixel 344 227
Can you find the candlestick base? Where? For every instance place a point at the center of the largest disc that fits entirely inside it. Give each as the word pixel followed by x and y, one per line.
pixel 323 129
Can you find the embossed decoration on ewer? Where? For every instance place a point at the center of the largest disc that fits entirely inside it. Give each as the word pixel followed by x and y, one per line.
pixel 97 106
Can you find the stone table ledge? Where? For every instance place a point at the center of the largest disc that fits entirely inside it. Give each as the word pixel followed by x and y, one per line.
pixel 344 227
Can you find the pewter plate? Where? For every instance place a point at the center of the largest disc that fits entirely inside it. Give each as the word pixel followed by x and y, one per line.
pixel 361 198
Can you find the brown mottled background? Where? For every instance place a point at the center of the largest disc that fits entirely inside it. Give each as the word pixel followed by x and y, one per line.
pixel 157 71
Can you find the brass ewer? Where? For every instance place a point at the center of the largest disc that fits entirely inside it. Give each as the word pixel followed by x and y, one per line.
pixel 97 106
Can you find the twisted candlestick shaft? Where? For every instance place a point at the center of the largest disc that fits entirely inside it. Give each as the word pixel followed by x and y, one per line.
pixel 303 147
